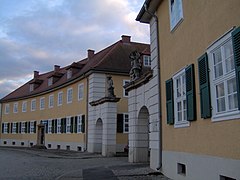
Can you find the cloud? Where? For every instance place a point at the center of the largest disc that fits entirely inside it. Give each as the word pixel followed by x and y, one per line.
pixel 35 35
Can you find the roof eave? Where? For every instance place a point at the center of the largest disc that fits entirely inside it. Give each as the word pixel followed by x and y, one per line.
pixel 145 17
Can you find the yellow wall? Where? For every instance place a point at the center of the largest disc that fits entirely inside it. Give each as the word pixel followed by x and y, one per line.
pixel 204 22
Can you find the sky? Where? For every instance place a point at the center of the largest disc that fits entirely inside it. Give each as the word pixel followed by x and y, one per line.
pixel 38 34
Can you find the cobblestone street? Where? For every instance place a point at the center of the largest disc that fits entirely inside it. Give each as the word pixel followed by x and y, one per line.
pixel 19 163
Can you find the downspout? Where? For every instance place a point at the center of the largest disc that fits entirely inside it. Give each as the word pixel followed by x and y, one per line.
pixel 159 89
pixel 86 120
pixel 1 113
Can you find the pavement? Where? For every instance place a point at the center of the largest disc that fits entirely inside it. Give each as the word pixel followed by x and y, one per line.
pixel 72 165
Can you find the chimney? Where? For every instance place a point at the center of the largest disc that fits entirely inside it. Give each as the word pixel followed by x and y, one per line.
pixel 56 68
pixel 90 53
pixel 35 74
pixel 126 39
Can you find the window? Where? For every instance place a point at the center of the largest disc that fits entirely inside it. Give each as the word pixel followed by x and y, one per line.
pixel 15 107
pixel 51 101
pixel 224 97
pixel 69 74
pixel 7 108
pixel 24 106
pixel 147 60
pixel 14 128
pixel 68 125
pixel 80 91
pixel 42 103
pixel 175 12
pixel 32 127
pixel 23 127
pixel 181 168
pixel 60 98
pixel 31 87
pixel 33 105
pixel 125 121
pixel 49 126
pixel 180 105
pixel 59 126
pixel 125 93
pixel 50 81
pixel 5 128
pixel 69 95
pixel 79 123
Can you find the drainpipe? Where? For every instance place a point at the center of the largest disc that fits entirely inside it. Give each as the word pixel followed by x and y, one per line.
pixel 159 89
pixel 86 119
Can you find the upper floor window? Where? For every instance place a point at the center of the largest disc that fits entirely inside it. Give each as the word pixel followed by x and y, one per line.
pixel 15 107
pixel 31 87
pixel 51 101
pixel 7 108
pixel 175 12
pixel 50 81
pixel 125 121
pixel 33 105
pixel 146 60
pixel 69 73
pixel 69 95
pixel 80 91
pixel 60 98
pixel 42 103
pixel 24 106
pixel 125 93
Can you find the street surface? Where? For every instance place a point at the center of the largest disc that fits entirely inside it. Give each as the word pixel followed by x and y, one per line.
pixel 30 164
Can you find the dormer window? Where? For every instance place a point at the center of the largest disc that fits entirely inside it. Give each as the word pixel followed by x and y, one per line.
pixel 31 87
pixel 69 74
pixel 147 60
pixel 50 81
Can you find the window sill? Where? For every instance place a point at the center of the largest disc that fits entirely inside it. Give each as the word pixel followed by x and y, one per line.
pixel 182 124
pixel 226 116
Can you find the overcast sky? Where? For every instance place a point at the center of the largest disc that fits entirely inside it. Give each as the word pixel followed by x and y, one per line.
pixel 37 34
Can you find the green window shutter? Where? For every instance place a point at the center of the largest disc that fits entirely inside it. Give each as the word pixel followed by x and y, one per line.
pixel 29 126
pixel 236 52
pixel 204 85
pixel 83 124
pixel 11 127
pixel 26 127
pixel 169 101
pixel 35 126
pixel 62 125
pixel 20 127
pixel 190 93
pixel 46 126
pixel 8 130
pixel 72 123
pixel 2 127
pixel 17 127
pixel 55 128
pixel 120 123
pixel 53 125
pixel 75 124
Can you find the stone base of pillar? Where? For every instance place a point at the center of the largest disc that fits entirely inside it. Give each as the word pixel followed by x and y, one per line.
pixel 94 147
pixel 154 159
pixel 136 155
pixel 108 150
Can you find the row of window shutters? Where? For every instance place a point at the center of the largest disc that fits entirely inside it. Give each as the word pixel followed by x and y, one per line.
pixel 54 124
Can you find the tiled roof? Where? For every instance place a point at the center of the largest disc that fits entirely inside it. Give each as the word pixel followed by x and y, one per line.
pixel 113 59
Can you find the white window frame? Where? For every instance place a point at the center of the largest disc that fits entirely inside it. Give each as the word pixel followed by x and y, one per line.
pixel 69 73
pixel 50 126
pixel 180 123
pixel 125 81
pixel 42 103
pixel 147 59
pixel 31 127
pixel 79 123
pixel 68 124
pixel 69 98
pixel 228 114
pixel 33 105
pixel 23 127
pixel 14 128
pixel 80 91
pixel 7 108
pixel 51 101
pixel 15 107
pixel 60 98
pixel 24 106
pixel 50 81
pixel 5 128
pixel 59 126
pixel 125 122
pixel 175 14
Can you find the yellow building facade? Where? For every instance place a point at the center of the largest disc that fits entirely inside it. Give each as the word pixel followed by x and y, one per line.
pixel 52 109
